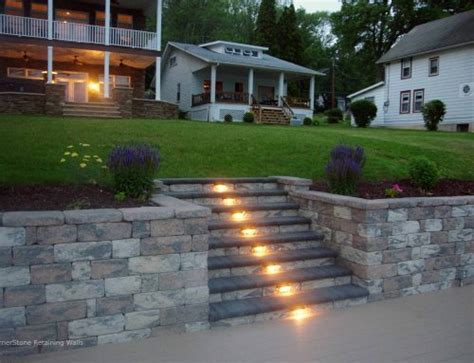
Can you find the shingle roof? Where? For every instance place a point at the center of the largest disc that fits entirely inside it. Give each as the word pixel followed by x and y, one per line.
pixel 452 31
pixel 265 62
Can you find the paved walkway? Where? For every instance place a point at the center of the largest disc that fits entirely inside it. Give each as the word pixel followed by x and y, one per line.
pixel 435 327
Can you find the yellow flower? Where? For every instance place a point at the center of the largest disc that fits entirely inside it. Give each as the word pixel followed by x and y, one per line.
pixel 67 153
pixel 82 165
pixel 70 146
pixel 86 145
pixel 96 156
pixel 62 160
pixel 99 160
pixel 74 155
pixel 104 167
pixel 87 156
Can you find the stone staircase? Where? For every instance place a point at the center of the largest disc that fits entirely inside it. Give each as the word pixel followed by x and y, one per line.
pixel 92 109
pixel 265 261
pixel 274 116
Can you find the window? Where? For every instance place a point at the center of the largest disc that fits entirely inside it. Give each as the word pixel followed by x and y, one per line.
pixel 406 68
pixel 39 11
pixel 239 87
pixel 434 66
pixel 14 7
pixel 418 99
pixel 124 21
pixel 405 101
pixel 115 82
pixel 173 62
pixel 72 16
pixel 254 53
pixel 178 92
pixel 229 50
pixel 207 86
pixel 247 53
pixel 25 73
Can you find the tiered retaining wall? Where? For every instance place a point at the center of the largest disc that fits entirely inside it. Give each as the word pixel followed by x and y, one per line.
pixel 81 278
pixel 397 247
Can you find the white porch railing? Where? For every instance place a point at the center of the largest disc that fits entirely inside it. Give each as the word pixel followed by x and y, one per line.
pixel 75 32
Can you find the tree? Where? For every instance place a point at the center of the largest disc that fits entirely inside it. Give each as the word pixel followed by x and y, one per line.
pixel 290 46
pixel 265 33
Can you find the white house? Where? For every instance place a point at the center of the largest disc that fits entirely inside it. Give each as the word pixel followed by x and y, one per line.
pixel 433 61
pixel 210 81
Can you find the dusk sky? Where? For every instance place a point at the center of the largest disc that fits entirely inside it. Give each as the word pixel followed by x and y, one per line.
pixel 318 5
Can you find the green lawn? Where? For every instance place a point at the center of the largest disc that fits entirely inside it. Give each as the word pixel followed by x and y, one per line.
pixel 31 148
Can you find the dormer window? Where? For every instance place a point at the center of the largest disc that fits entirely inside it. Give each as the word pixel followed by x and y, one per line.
pixel 229 50
pixel 254 53
pixel 406 68
pixel 237 51
pixel 247 53
pixel 241 51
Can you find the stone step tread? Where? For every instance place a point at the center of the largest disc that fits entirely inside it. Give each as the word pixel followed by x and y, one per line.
pixel 266 304
pixel 107 106
pixel 91 115
pixel 259 222
pixel 253 207
pixel 173 181
pixel 220 262
pixel 230 193
pixel 229 242
pixel 233 283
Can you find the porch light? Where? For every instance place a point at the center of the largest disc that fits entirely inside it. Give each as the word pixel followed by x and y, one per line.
pixel 230 201
pixel 249 232
pixel 259 251
pixel 300 313
pixel 273 269
pixel 285 290
pixel 239 216
pixel 220 188
pixel 94 87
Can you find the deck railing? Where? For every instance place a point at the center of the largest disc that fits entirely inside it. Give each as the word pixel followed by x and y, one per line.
pixel 298 102
pixel 75 32
pixel 221 97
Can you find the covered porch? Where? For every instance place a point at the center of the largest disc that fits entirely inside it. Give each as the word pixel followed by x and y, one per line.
pixel 219 90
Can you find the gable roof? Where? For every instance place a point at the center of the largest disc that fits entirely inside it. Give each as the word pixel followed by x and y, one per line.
pixel 265 62
pixel 453 31
pixel 370 88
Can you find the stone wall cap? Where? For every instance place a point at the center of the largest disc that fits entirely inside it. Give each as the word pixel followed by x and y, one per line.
pixel 291 180
pixel 34 218
pixel 182 208
pixel 361 203
pixel 147 213
pixel 23 94
pixel 82 216
pixel 153 101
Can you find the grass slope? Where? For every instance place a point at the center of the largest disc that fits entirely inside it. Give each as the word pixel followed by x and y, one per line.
pixel 31 147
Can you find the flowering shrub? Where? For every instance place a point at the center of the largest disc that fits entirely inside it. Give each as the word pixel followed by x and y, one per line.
pixel 133 169
pixel 394 191
pixel 344 169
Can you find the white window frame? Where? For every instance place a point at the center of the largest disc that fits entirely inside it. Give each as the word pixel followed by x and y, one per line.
pixel 415 102
pixel 408 66
pixel 26 73
pixel 405 102
pixel 173 61
pixel 430 73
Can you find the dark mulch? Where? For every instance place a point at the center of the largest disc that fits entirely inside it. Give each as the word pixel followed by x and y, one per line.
pixel 376 190
pixel 60 197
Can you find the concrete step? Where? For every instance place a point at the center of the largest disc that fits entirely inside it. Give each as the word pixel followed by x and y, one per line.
pixel 207 184
pixel 223 212
pixel 91 115
pixel 254 306
pixel 268 248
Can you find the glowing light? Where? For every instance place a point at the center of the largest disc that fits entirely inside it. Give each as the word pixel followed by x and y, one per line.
pixel 273 269
pixel 220 188
pixel 249 232
pixel 300 313
pixel 285 290
pixel 259 251
pixel 230 201
pixel 239 216
pixel 93 87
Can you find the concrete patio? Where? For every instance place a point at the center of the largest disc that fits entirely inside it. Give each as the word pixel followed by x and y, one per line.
pixel 434 327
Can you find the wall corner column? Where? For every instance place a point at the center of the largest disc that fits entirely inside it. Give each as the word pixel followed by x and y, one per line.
pixel 281 88
pixel 213 82
pixel 312 86
pixel 250 86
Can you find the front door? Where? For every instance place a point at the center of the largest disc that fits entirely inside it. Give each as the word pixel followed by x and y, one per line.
pixel 266 95
pixel 75 85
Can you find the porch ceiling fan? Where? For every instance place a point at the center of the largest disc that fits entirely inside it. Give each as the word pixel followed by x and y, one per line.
pixel 26 57
pixel 77 62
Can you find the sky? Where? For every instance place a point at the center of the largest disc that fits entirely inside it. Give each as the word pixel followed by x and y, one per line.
pixel 318 5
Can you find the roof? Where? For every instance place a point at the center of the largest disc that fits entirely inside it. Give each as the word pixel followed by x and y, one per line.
pixel 453 31
pixel 365 90
pixel 224 42
pixel 265 62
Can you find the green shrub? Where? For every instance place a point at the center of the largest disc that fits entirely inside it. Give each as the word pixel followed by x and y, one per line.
pixel 249 117
pixel 423 172
pixel 334 115
pixel 316 121
pixel 364 112
pixel 228 118
pixel 133 169
pixel 308 121
pixel 433 114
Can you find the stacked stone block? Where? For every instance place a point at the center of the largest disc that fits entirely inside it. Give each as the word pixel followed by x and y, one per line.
pixel 100 276
pixel 397 247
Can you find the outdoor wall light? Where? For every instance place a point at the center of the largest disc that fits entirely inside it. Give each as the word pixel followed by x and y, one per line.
pixel 300 313
pixel 249 232
pixel 273 269
pixel 259 251
pixel 220 188
pixel 239 216
pixel 230 201
pixel 94 87
pixel 285 290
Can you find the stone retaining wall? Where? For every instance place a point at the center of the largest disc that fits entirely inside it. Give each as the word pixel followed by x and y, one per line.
pixel 101 276
pixel 397 247
pixel 22 103
pixel 144 108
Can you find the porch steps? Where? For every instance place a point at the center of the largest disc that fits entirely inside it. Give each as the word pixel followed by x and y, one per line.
pixel 92 109
pixel 242 287
pixel 274 116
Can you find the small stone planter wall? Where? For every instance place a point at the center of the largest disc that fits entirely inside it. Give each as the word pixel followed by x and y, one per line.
pixel 87 277
pixel 397 247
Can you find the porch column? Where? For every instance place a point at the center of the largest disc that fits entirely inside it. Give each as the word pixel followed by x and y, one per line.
pixel 213 82
pixel 50 64
pixel 311 92
pixel 107 22
pixel 281 88
pixel 50 19
pixel 250 85
pixel 159 12
pixel 106 74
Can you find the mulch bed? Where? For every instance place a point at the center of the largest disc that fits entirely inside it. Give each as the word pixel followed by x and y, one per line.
pixel 60 197
pixel 376 190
